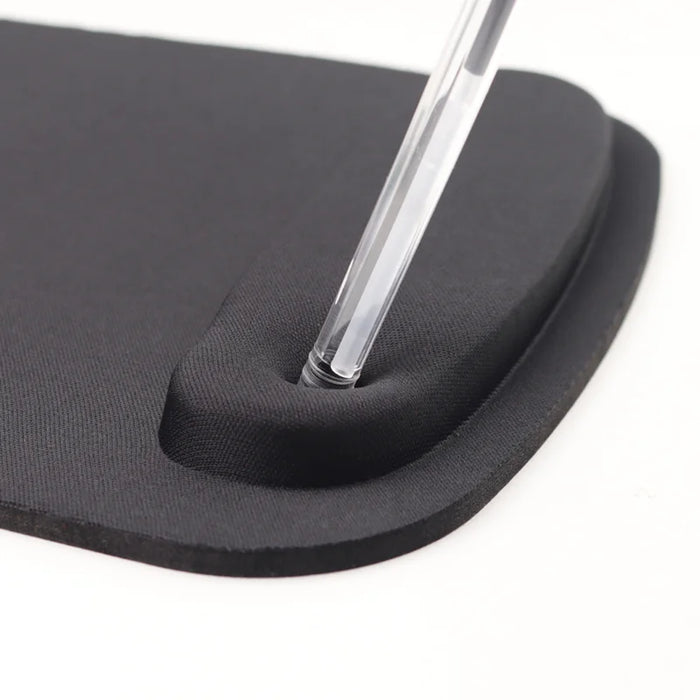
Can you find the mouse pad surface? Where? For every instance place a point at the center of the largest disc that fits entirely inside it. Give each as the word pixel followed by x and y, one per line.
pixel 174 222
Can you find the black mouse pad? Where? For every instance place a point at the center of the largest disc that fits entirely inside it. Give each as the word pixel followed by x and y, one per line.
pixel 175 221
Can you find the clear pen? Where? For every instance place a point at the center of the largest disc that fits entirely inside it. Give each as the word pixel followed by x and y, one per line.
pixel 440 126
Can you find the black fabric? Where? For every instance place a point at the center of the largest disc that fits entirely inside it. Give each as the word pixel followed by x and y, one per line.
pixel 508 232
pixel 141 181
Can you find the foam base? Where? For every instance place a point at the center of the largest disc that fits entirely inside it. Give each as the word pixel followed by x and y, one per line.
pixel 174 222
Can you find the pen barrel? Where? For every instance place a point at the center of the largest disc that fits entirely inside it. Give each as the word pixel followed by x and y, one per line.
pixel 440 126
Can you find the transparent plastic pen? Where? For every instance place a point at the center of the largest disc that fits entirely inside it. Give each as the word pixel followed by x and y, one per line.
pixel 445 115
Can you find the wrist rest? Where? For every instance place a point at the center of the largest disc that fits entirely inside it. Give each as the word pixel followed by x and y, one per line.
pixel 509 232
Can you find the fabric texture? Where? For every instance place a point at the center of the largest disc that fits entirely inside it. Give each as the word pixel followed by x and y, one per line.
pixel 145 183
pixel 509 231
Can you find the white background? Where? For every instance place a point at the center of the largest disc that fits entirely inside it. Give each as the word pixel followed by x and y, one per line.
pixel 580 580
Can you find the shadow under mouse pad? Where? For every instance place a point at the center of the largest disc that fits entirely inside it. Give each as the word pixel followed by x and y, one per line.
pixel 174 222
